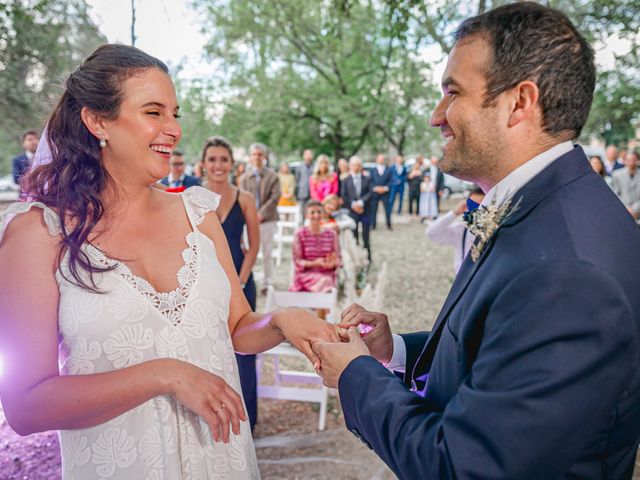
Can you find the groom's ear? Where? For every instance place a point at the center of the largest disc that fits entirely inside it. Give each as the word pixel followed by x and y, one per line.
pixel 94 123
pixel 523 100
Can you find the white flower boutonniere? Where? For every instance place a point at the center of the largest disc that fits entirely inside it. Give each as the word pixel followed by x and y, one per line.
pixel 485 221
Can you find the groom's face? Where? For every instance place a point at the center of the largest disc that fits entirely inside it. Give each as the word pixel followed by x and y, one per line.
pixel 472 130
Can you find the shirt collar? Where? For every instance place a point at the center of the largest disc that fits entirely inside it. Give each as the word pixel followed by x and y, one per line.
pixel 180 178
pixel 524 173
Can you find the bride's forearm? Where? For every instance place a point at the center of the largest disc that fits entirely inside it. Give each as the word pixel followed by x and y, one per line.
pixel 82 401
pixel 256 332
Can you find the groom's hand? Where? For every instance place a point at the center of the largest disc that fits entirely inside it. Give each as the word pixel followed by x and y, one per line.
pixel 334 357
pixel 375 329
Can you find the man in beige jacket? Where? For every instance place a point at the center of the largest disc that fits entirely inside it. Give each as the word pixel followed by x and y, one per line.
pixel 263 183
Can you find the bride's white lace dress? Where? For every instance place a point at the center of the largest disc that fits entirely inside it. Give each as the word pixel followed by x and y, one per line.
pixel 132 323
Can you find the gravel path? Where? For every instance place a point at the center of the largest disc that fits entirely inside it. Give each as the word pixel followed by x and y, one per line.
pixel 288 444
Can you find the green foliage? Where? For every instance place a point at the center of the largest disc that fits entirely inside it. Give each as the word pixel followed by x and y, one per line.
pixel 342 77
pixel 40 43
pixel 335 76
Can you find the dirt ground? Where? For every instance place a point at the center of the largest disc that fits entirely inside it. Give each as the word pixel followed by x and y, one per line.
pixel 288 444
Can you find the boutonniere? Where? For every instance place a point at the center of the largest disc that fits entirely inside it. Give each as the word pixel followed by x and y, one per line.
pixel 485 221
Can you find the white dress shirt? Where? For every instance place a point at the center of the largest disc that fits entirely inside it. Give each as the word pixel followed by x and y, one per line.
pixel 501 191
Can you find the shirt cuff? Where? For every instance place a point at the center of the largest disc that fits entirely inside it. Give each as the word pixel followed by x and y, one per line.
pixel 398 360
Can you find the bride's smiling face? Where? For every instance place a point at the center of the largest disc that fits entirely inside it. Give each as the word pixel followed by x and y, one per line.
pixel 145 132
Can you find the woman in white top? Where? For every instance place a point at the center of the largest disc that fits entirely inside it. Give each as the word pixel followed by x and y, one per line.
pixel 121 307
pixel 449 229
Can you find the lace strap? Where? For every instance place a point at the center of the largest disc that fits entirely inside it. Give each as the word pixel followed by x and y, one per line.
pixel 50 217
pixel 198 202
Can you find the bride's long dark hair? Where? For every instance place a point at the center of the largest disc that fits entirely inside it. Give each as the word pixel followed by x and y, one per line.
pixel 74 181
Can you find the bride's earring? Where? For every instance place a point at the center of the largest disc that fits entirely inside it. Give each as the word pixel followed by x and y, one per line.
pixel 103 142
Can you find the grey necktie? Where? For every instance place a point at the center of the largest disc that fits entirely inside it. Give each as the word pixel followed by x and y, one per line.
pixel 357 185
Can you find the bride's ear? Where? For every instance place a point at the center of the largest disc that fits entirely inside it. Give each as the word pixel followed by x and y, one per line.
pixel 94 123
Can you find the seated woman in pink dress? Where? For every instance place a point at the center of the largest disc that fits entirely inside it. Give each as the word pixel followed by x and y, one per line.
pixel 323 182
pixel 316 254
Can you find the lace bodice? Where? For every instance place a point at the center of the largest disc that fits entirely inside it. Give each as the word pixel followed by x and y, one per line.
pixel 130 323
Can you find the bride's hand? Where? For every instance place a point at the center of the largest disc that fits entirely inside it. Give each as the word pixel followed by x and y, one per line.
pixel 301 328
pixel 208 396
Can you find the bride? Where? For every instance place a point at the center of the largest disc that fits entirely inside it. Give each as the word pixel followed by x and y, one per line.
pixel 121 307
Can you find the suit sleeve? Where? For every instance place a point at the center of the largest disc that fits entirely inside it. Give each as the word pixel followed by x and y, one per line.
pixel 274 196
pixel 17 169
pixel 365 195
pixel 551 365
pixel 343 194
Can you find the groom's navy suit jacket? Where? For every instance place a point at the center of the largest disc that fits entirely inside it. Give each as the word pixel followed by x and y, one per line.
pixel 532 364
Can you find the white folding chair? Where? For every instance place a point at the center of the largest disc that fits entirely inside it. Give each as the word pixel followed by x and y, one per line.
pixel 306 383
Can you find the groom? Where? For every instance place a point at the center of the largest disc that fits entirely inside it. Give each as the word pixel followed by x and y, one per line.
pixel 531 369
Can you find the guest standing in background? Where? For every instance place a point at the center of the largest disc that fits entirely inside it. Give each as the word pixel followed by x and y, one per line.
pixel 22 163
pixel 428 197
pixel 323 182
pixel 398 179
pixel 626 184
pixel 238 171
pixel 237 208
pixel 380 186
pixel 611 162
pixel 437 177
pixel 303 175
pixel 177 180
pixel 414 179
pixel 598 166
pixel 287 186
pixel 356 196
pixel 263 183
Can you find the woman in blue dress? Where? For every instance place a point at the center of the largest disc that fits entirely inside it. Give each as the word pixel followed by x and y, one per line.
pixel 237 208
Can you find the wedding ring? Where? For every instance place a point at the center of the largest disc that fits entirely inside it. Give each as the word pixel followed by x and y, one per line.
pixel 218 410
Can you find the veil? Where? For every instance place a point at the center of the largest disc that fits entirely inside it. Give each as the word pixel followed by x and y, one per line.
pixel 43 153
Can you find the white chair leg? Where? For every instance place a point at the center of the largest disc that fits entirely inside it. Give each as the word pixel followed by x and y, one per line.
pixel 323 409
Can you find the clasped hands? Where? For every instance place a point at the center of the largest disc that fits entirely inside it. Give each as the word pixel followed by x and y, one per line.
pixel 361 333
pixel 328 262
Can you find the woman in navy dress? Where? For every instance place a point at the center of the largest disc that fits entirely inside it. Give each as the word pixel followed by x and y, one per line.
pixel 237 208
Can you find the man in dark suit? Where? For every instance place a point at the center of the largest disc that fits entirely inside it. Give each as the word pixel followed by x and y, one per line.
pixel 380 186
pixel 356 196
pixel 177 178
pixel 531 369
pixel 22 163
pixel 398 179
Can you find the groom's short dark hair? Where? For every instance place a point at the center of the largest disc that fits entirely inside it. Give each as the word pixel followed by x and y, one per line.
pixel 537 43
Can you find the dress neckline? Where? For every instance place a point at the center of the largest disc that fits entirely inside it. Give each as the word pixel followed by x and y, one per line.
pixel 170 304
pixel 222 222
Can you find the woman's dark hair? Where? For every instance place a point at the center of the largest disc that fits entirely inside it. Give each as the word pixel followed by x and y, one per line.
pixel 217 142
pixel 602 171
pixel 74 181
pixel 312 203
pixel 534 42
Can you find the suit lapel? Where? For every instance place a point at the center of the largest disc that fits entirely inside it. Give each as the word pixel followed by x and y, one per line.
pixel 559 173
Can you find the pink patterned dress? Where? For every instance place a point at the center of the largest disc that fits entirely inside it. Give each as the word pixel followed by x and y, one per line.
pixel 311 246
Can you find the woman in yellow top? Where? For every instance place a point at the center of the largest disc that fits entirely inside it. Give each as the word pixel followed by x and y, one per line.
pixel 287 186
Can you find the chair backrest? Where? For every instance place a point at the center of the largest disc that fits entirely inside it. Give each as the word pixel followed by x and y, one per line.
pixel 306 300
pixel 290 216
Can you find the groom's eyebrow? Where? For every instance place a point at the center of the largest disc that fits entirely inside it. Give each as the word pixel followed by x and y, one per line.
pixel 449 82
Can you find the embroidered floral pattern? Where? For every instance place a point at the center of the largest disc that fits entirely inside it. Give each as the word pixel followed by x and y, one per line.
pixel 129 323
pixel 113 449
